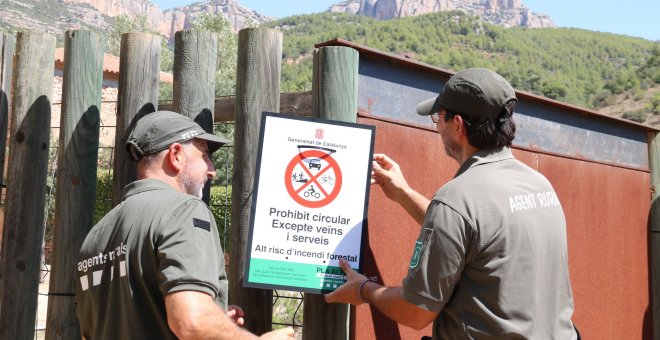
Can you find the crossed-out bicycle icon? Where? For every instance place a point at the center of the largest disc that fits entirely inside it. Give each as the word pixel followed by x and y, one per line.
pixel 327 179
pixel 313 177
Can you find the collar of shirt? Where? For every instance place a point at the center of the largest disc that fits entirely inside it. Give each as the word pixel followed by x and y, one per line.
pixel 485 157
pixel 144 185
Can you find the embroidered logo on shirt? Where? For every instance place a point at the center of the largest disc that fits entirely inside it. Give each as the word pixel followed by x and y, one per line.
pixel 206 225
pixel 417 253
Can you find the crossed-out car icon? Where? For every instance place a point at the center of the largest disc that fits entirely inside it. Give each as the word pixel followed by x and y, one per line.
pixel 315 163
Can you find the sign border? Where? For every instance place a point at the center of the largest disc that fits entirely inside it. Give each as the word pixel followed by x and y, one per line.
pixel 255 187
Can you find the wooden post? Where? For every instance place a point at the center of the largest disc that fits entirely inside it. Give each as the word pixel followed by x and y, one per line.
pixel 334 96
pixel 7 43
pixel 76 175
pixel 195 56
pixel 654 230
pixel 257 90
pixel 26 190
pixel 139 80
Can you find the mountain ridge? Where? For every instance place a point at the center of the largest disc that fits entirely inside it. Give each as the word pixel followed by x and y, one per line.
pixel 624 87
pixel 505 13
pixel 97 14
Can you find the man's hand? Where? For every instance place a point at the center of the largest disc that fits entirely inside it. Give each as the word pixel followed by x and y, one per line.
pixel 280 334
pixel 387 174
pixel 236 314
pixel 349 292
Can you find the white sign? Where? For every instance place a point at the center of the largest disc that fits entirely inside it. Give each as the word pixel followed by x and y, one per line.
pixel 310 202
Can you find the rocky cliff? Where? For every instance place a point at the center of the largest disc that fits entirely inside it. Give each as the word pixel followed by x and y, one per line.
pixel 57 16
pixel 52 17
pixel 239 17
pixel 113 8
pixel 179 18
pixel 507 13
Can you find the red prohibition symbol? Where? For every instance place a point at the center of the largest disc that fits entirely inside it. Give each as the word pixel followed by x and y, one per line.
pixel 313 178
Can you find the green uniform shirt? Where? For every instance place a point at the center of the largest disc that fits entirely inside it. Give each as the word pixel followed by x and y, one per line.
pixel 156 241
pixel 491 256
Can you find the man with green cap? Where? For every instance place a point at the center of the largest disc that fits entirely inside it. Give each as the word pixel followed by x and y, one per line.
pixel 153 267
pixel 491 259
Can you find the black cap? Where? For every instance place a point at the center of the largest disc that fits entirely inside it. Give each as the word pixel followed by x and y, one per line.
pixel 158 130
pixel 474 91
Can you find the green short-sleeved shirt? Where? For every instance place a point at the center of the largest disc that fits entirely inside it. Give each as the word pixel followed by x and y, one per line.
pixel 492 255
pixel 156 241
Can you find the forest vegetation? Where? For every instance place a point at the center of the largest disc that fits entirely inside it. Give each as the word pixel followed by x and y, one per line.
pixel 585 68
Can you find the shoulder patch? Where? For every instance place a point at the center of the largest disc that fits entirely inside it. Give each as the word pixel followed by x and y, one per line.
pixel 417 253
pixel 206 225
pixel 420 247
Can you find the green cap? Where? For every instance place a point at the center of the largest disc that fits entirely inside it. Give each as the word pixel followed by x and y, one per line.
pixel 474 91
pixel 158 130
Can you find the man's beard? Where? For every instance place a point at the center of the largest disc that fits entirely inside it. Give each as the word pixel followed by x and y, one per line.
pixel 452 149
pixel 191 187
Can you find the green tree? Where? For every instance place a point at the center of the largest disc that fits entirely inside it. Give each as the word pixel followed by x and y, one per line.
pixel 554 91
pixel 651 70
pixel 572 65
pixel 225 76
pixel 125 24
pixel 140 24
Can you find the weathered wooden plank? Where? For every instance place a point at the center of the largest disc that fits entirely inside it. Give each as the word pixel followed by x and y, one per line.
pixel 298 103
pixel 195 56
pixel 257 90
pixel 139 76
pixel 26 187
pixel 76 175
pixel 334 96
pixel 654 230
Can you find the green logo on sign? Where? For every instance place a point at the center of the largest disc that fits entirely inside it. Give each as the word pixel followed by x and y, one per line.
pixel 417 253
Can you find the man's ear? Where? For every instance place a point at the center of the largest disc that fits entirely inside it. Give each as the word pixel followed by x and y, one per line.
pixel 459 125
pixel 175 157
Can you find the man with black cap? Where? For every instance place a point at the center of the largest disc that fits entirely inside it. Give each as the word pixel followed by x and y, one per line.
pixel 153 267
pixel 491 259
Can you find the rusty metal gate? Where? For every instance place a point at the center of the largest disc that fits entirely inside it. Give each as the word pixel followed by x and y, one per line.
pixel 597 164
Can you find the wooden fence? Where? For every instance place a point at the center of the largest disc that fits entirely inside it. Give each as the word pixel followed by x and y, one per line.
pixel 259 66
pixel 334 97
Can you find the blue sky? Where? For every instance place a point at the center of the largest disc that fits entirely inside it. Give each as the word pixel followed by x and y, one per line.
pixel 638 18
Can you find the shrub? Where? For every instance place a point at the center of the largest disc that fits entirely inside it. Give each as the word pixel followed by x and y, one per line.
pixel 654 105
pixel 220 206
pixel 635 116
pixel 602 98
pixel 103 195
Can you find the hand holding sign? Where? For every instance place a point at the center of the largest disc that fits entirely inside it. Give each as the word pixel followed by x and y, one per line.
pixel 349 292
